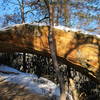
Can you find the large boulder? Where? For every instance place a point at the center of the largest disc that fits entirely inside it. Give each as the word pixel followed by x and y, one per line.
pixel 75 46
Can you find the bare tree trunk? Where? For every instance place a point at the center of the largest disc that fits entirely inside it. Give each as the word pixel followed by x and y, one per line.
pixel 52 46
pixel 73 89
pixel 98 72
pixel 22 12
pixel 23 21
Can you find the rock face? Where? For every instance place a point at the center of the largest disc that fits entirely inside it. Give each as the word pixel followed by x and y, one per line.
pixel 75 47
pixel 11 91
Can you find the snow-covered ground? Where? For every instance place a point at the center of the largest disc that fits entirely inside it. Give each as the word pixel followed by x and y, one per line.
pixel 31 82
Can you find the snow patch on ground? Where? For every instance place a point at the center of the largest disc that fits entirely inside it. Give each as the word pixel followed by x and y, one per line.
pixel 8 69
pixel 30 81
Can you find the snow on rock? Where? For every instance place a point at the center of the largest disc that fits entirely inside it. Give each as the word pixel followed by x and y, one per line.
pixel 39 24
pixel 65 28
pixel 75 30
pixel 57 27
pixel 31 82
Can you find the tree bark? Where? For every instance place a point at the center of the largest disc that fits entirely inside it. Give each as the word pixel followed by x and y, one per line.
pixel 73 89
pixel 52 46
pixel 23 21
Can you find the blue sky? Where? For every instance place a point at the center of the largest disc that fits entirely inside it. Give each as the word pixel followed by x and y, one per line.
pixel 93 10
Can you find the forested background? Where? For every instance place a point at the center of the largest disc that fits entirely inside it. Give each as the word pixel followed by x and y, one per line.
pixel 81 14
